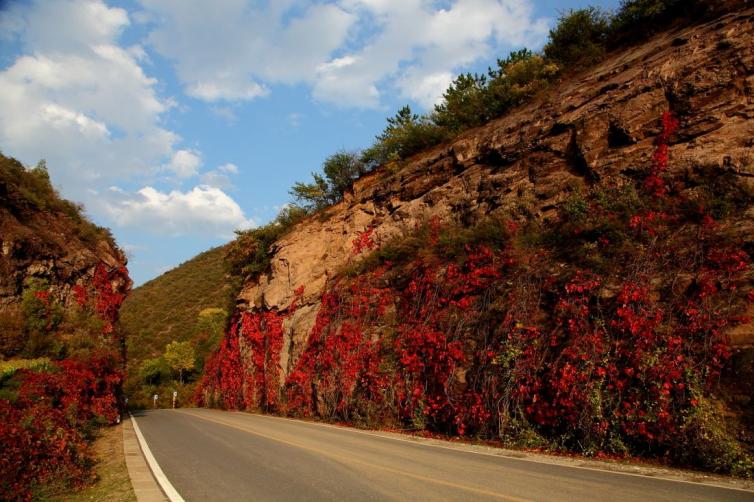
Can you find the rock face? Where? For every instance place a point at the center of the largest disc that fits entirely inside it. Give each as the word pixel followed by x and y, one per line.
pixel 589 128
pixel 49 240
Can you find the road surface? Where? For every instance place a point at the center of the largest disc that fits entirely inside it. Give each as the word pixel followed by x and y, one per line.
pixel 214 455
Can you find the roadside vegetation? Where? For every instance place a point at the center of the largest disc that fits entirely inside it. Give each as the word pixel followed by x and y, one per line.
pixel 113 483
pixel 602 334
pixel 185 308
pixel 53 401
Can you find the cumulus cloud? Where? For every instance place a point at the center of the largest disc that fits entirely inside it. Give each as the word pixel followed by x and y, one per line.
pixel 228 168
pixel 230 51
pixel 185 163
pixel 203 210
pixel 220 177
pixel 422 45
pixel 350 52
pixel 77 98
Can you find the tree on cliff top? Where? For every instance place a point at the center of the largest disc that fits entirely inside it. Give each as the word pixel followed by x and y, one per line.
pixel 339 171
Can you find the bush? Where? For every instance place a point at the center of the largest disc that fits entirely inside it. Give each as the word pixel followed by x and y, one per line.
pixel 518 78
pixel 464 104
pixel 340 170
pixel 641 18
pixel 249 254
pixel 406 134
pixel 46 425
pixel 579 37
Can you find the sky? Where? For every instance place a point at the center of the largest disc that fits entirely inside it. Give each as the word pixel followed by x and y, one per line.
pixel 176 122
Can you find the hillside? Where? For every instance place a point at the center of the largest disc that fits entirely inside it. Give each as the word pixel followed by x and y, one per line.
pixel 166 308
pixel 62 281
pixel 575 275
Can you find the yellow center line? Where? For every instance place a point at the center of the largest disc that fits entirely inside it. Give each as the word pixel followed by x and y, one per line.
pixel 348 460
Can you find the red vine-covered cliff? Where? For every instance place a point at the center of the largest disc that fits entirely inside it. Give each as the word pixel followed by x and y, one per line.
pixel 62 281
pixel 575 275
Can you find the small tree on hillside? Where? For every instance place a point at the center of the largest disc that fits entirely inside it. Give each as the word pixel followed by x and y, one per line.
pixel 340 170
pixel 210 326
pixel 579 37
pixel 180 356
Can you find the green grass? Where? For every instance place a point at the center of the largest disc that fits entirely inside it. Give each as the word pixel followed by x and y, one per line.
pixel 7 368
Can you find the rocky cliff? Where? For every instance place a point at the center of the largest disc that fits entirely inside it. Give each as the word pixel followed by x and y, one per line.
pixel 601 124
pixel 46 243
pixel 575 274
pixel 62 281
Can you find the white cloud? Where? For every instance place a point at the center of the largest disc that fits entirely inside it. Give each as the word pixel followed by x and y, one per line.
pixel 226 52
pixel 64 26
pixel 228 168
pixel 350 52
pixel 421 45
pixel 185 163
pixel 82 101
pixel 220 178
pixel 202 210
pixel 79 99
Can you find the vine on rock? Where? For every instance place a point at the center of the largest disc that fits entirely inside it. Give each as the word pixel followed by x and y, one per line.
pixel 604 335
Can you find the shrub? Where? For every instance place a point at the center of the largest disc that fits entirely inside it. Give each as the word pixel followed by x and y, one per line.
pixel 578 38
pixel 340 170
pixel 249 254
pixel 46 425
pixel 464 104
pixel 641 18
pixel 154 371
pixel 406 134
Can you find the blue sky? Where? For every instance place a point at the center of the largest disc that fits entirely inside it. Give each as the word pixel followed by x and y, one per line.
pixel 176 121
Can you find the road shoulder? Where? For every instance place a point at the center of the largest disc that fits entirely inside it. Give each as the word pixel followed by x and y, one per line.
pixel 144 484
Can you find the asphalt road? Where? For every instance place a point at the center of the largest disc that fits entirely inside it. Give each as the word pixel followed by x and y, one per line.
pixel 214 455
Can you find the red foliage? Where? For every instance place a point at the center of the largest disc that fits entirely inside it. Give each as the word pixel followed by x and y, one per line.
pixel 42 429
pixel 363 241
pixel 80 294
pixel 502 339
pixel 245 372
pixel 654 182
pixel 44 426
pixel 108 297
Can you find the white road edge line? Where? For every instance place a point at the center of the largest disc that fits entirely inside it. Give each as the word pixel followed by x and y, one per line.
pixel 711 484
pixel 170 492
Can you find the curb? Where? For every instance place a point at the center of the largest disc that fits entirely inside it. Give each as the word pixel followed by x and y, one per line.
pixel 166 489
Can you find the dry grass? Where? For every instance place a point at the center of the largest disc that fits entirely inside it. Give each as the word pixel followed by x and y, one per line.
pixel 113 483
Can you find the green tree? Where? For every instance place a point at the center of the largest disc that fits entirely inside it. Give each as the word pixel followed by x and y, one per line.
pixel 579 37
pixel 464 104
pixel 405 134
pixel 638 19
pixel 339 171
pixel 516 79
pixel 154 371
pixel 180 356
pixel 210 327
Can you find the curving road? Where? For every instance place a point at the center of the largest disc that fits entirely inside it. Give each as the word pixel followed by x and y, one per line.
pixel 214 455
